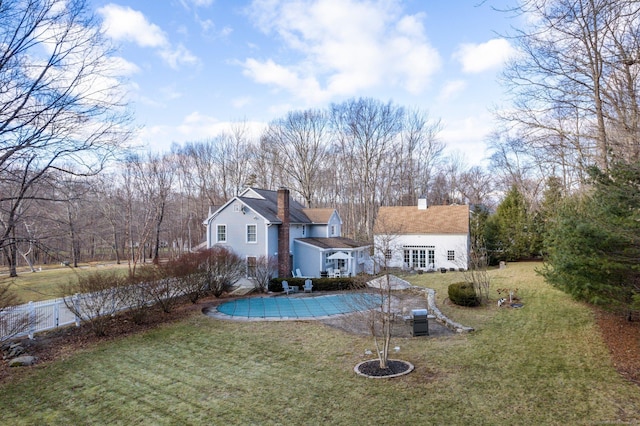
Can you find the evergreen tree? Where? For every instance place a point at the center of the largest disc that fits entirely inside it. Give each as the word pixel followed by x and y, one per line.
pixel 593 245
pixel 510 232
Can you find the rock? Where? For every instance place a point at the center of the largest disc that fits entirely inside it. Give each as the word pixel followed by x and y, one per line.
pixel 23 361
pixel 15 351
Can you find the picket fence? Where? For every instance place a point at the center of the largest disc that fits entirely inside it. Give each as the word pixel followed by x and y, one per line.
pixel 34 317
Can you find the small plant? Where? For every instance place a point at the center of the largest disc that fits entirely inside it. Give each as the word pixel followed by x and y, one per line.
pixel 463 294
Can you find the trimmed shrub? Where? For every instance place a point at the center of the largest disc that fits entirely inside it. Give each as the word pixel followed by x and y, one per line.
pixel 463 294
pixel 319 284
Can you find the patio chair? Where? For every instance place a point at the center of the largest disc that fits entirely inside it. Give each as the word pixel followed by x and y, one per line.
pixel 308 285
pixel 287 288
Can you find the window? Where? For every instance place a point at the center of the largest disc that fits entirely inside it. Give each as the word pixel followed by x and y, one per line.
pixel 333 230
pixel 303 229
pixel 252 263
pixel 236 208
pixel 221 234
pixel 451 255
pixel 252 233
pixel 407 258
pixel 388 254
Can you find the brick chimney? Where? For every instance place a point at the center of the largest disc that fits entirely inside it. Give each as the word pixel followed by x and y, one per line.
pixel 284 260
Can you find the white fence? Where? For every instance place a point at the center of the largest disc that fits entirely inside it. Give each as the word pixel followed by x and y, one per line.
pixel 34 317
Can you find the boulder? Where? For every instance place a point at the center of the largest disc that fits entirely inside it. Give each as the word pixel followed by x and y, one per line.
pixel 23 361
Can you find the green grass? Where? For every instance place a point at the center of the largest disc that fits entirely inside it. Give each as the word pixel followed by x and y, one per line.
pixel 542 364
pixel 45 284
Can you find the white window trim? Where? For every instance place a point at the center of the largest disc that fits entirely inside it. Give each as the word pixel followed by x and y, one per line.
pixel 218 234
pixel 255 227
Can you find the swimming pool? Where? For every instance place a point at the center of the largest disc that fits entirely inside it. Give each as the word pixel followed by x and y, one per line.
pixel 298 307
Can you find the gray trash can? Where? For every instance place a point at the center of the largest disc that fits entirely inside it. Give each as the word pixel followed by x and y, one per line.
pixel 420 322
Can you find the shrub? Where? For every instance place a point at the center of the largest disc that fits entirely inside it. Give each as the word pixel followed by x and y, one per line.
pixel 463 294
pixel 319 284
pixel 95 297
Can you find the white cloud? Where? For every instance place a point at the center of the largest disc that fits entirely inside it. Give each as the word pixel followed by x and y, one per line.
pixel 468 135
pixel 177 56
pixel 481 57
pixel 194 127
pixel 341 47
pixel 451 89
pixel 125 24
pixel 241 101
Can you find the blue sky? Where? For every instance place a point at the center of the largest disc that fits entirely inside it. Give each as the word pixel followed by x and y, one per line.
pixel 194 66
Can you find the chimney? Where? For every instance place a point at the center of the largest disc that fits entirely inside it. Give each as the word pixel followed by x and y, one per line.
pixel 284 260
pixel 422 203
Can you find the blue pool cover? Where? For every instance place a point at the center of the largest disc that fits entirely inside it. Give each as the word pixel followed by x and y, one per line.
pixel 298 307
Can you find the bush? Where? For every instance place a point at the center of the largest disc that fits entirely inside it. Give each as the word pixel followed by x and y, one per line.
pixel 319 284
pixel 463 294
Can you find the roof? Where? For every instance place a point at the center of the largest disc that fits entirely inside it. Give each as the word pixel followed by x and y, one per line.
pixel 319 215
pixel 267 207
pixel 333 243
pixel 265 203
pixel 451 219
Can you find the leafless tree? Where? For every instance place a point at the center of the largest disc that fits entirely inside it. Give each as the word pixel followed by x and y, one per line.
pixel 62 106
pixel 301 139
pixel 364 130
pixel 264 269
pixel 575 79
pixel 380 318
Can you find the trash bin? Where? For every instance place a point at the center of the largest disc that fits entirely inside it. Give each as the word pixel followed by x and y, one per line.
pixel 420 322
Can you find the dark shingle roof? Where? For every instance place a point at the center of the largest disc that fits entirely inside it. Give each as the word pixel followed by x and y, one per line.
pixel 268 207
pixel 333 242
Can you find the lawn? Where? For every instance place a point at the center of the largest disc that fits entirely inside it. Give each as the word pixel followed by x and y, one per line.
pixel 45 284
pixel 542 364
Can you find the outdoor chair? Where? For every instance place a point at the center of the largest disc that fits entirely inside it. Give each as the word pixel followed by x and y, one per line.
pixel 308 286
pixel 287 288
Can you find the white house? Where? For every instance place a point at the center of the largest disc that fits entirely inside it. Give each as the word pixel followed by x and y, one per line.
pixel 262 223
pixel 423 238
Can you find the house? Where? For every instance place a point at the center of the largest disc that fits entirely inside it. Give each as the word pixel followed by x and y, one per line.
pixel 423 238
pixel 260 223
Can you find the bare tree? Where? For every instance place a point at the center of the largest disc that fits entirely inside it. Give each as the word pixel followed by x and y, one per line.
pixel 61 109
pixel 301 139
pixel 575 81
pixel 364 130
pixel 264 269
pixel 381 317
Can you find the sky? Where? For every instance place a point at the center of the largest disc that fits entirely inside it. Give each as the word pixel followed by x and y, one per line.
pixel 192 67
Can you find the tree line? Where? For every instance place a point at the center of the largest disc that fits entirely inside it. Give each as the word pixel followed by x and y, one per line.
pixel 69 191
